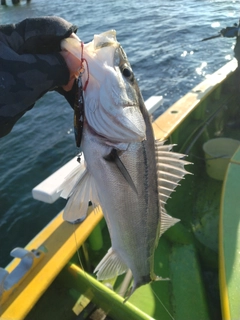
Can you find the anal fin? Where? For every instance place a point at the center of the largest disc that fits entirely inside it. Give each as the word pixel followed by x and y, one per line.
pixel 110 266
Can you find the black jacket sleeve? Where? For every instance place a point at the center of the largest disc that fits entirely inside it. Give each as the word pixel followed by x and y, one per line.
pixel 30 65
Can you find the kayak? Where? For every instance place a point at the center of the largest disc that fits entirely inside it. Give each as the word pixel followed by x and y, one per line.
pixel 52 277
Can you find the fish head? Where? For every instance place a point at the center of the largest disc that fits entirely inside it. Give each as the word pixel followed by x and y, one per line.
pixel 112 96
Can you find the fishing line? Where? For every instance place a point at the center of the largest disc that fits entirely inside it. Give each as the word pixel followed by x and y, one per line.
pixel 80 261
pixel 81 265
pixel 201 127
pixel 77 249
pixel 84 271
pixel 162 304
pixel 128 276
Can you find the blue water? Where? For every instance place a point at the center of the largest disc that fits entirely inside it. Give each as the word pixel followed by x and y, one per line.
pixel 162 40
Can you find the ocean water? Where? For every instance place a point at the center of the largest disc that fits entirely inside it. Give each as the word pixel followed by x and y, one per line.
pixel 163 42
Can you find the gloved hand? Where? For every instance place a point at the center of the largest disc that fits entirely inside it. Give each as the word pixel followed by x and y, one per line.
pixel 36 35
pixel 31 65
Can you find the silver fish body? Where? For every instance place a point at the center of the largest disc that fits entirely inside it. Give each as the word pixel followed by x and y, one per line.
pixel 135 216
pixel 132 215
pixel 130 176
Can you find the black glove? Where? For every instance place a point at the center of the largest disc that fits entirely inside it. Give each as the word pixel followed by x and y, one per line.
pixel 36 35
pixel 31 65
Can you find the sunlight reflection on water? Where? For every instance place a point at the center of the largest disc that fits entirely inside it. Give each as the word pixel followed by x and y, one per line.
pixel 200 70
pixel 215 24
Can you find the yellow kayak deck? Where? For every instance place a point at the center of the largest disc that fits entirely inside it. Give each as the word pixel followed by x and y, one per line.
pixel 59 240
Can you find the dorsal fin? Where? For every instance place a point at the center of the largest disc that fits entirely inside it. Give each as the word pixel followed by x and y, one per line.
pixel 166 221
pixel 170 170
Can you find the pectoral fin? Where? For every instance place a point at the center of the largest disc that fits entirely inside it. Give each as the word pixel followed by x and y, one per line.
pixel 114 157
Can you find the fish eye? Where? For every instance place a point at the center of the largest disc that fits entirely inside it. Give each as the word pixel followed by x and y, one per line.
pixel 126 72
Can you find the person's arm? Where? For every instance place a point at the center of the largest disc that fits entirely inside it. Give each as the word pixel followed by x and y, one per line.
pixel 30 65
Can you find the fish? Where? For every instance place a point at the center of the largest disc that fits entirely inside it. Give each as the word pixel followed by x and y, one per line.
pixel 130 176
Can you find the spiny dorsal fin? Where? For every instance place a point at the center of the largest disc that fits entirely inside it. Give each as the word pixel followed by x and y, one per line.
pixel 110 266
pixel 170 170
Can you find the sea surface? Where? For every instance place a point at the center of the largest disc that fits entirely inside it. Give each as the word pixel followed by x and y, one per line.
pixel 163 42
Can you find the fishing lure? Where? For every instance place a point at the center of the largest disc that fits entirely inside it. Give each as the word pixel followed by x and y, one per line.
pixel 79 102
pixel 79 112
